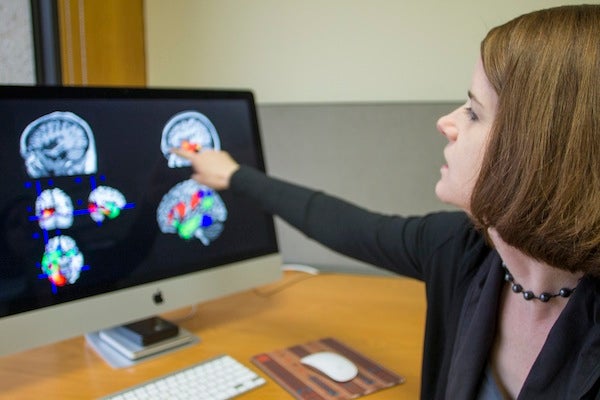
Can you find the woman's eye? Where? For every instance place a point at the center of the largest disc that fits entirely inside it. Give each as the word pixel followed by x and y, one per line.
pixel 471 114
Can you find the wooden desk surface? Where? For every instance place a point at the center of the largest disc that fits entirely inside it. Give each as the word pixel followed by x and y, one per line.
pixel 382 317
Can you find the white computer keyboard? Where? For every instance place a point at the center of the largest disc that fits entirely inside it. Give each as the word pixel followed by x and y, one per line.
pixel 220 378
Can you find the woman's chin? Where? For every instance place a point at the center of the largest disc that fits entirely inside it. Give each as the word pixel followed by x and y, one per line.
pixel 447 196
pixel 440 191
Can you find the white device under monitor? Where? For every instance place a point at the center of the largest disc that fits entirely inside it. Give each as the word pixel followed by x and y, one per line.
pixel 101 225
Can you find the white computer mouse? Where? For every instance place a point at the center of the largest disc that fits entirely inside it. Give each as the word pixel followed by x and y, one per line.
pixel 332 365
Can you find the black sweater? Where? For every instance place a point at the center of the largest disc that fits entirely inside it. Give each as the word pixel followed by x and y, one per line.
pixel 463 281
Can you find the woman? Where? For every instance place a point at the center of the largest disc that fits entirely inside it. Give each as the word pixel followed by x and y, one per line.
pixel 512 282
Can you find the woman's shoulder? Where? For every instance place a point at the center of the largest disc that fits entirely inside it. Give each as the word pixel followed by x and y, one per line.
pixel 450 226
pixel 452 239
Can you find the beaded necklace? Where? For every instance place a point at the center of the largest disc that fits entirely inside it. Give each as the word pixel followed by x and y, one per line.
pixel 544 297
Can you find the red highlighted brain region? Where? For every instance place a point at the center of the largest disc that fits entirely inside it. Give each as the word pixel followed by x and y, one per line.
pixel 192 210
pixel 54 209
pixel 189 130
pixel 105 202
pixel 62 261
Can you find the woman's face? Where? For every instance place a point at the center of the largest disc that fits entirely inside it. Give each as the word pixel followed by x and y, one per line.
pixel 467 129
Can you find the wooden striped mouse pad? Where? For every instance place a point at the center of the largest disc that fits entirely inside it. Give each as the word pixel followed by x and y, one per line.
pixel 303 383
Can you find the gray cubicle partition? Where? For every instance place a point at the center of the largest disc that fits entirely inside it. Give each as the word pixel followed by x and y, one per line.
pixel 385 157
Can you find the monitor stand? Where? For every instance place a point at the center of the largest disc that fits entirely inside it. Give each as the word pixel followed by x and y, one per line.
pixel 127 345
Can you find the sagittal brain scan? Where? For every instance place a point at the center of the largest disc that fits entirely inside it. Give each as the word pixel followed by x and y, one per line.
pixel 105 202
pixel 58 144
pixel 62 261
pixel 189 130
pixel 54 209
pixel 191 210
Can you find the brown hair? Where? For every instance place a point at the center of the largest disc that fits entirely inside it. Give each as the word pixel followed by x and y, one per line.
pixel 539 186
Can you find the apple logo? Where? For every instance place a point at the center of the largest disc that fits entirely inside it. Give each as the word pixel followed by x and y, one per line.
pixel 157 297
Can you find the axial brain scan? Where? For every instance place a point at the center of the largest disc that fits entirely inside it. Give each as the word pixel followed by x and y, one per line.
pixel 62 261
pixel 188 130
pixel 58 144
pixel 54 209
pixel 192 210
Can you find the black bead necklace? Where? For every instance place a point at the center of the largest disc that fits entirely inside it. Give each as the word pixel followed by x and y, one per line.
pixel 544 297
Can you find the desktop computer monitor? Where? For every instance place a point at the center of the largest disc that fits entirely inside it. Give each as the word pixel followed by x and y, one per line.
pixel 101 225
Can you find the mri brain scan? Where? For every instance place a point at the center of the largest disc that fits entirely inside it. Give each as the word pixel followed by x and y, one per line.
pixel 188 130
pixel 62 261
pixel 58 144
pixel 105 202
pixel 191 211
pixel 54 209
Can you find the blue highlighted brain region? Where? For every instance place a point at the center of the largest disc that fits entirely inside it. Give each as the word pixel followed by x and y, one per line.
pixel 189 130
pixel 192 210
pixel 62 144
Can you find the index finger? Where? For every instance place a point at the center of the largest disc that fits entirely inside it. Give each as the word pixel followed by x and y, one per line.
pixel 187 154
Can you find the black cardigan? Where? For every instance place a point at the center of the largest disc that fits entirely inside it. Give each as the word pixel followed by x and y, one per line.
pixel 463 281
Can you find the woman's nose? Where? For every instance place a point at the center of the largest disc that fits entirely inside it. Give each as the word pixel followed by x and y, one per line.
pixel 447 126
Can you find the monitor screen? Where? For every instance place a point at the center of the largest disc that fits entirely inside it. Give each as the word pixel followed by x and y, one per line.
pixel 100 224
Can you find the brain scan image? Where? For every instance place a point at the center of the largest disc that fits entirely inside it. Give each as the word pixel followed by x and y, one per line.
pixel 62 261
pixel 58 144
pixel 105 202
pixel 188 130
pixel 54 210
pixel 192 210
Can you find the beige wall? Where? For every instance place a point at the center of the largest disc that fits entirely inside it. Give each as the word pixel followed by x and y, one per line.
pixel 323 50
